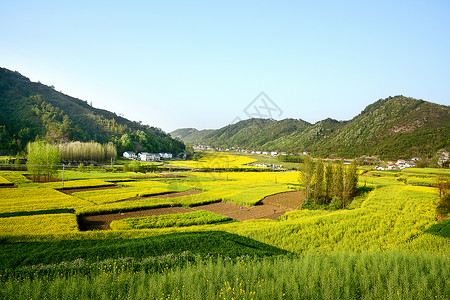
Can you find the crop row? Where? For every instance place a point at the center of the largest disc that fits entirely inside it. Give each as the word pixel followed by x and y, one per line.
pixel 36 199
pixel 38 224
pixel 14 177
pixel 336 276
pixel 82 183
pixel 4 181
pixel 199 217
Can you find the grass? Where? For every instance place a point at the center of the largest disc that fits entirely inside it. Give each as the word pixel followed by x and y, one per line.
pixel 17 255
pixel 199 217
pixel 334 276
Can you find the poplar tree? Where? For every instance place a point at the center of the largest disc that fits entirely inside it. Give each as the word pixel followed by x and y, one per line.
pixel 329 181
pixel 306 177
pixel 338 186
pixel 319 191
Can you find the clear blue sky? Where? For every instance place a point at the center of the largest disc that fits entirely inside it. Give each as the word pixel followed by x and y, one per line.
pixel 173 64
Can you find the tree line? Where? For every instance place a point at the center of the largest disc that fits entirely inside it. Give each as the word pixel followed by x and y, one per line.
pixel 43 158
pixel 91 151
pixel 328 184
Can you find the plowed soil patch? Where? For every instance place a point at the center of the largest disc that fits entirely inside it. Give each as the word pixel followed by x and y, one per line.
pixel 289 200
pixel 270 208
pixel 102 222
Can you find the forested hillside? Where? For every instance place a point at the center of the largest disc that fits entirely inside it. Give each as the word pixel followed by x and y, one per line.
pixel 395 127
pixel 30 110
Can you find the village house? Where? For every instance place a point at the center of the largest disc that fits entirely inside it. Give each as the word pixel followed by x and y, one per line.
pixel 129 155
pixel 165 155
pixel 273 153
pixel 145 156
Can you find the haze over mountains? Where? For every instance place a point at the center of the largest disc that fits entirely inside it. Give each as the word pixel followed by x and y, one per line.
pixel 30 110
pixel 395 127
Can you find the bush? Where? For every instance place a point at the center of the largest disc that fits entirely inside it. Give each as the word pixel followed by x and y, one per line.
pixel 336 203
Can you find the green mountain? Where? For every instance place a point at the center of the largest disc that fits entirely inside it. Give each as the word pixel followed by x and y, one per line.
pixel 31 110
pixel 395 127
pixel 189 135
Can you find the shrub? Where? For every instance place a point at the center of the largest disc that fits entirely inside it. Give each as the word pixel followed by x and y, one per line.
pixel 336 203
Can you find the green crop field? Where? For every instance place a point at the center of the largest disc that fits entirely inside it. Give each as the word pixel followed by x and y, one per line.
pixel 386 244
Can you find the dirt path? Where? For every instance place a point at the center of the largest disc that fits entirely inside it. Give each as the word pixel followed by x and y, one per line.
pixel 270 208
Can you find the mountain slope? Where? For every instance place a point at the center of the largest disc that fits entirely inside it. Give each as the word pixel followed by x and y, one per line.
pixel 31 109
pixel 395 127
pixel 190 134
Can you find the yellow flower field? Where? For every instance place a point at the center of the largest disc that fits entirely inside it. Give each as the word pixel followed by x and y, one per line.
pixel 35 199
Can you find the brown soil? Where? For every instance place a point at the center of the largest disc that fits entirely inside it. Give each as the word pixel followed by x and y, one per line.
pixel 96 188
pixel 102 222
pixel 271 207
pixel 43 179
pixel 289 200
pixel 7 185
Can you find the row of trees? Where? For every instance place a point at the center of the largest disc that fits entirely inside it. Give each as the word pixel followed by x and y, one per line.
pixel 43 159
pixel 92 151
pixel 290 158
pixel 328 183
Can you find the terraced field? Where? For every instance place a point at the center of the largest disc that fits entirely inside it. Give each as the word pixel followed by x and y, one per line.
pixel 230 212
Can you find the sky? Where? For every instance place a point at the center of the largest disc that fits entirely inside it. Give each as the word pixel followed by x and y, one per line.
pixel 206 64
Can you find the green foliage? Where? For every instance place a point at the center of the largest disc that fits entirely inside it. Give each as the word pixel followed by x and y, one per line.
pixel 199 217
pixel 336 276
pixel 93 250
pixel 336 203
pixel 441 229
pixel 42 160
pixel 31 110
pixel 322 183
pixel 91 151
pixel 395 127
pixel 291 158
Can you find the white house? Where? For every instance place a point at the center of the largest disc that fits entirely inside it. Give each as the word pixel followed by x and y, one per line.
pixel 129 155
pixel 145 156
pixel 265 153
pixel 165 155
pixel 273 153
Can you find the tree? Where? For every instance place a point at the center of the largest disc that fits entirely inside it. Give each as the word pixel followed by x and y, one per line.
pixel 329 180
pixel 306 177
pixel 350 183
pixel 443 184
pixel 338 185
pixel 319 191
pixel 42 160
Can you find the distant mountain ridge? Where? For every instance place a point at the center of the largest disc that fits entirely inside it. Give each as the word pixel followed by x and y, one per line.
pixel 395 127
pixel 30 110
pixel 190 134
